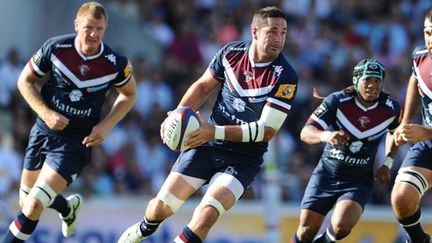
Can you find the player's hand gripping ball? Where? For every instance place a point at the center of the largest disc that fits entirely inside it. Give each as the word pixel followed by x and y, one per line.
pixel 177 127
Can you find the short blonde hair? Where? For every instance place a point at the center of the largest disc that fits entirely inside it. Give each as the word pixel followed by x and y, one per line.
pixel 94 9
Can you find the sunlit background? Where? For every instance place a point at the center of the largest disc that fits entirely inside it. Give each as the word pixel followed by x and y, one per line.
pixel 170 43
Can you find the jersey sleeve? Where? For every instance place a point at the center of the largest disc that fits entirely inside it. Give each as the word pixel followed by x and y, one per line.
pixel 125 70
pixel 394 105
pixel 216 65
pixel 324 114
pixel 282 95
pixel 40 63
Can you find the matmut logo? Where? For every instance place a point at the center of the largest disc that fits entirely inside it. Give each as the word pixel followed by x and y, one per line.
pixel 69 109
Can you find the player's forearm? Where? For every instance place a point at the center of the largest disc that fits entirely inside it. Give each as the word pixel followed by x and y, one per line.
pixel 312 135
pixel 120 108
pixel 32 96
pixel 246 133
pixel 390 147
pixel 412 101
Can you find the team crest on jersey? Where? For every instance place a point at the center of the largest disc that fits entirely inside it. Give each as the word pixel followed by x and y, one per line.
pixel 286 91
pixel 75 95
pixel 355 146
pixel 248 76
pixel 83 69
pixel 239 104
pixel 364 120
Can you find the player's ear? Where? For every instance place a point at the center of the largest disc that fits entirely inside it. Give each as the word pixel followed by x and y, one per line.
pixel 254 31
pixel 76 22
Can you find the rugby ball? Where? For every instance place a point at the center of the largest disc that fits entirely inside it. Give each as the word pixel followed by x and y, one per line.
pixel 177 127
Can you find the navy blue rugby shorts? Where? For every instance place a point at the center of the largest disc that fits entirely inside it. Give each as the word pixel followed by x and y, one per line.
pixel 324 190
pixel 66 157
pixel 205 161
pixel 420 155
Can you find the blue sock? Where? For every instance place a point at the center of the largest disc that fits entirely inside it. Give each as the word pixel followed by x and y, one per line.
pixel 148 227
pixel 296 239
pixel 188 236
pixel 412 226
pixel 23 228
pixel 60 205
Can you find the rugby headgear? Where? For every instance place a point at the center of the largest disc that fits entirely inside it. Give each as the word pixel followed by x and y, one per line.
pixel 368 68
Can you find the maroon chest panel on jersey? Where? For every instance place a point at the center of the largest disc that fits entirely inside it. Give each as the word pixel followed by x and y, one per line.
pixel 424 72
pixel 365 120
pixel 84 69
pixel 249 77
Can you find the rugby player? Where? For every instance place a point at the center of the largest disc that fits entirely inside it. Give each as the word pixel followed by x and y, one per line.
pixel 256 87
pixel 79 70
pixel 415 174
pixel 351 123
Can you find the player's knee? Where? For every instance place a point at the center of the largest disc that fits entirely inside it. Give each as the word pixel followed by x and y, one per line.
pixel 166 200
pixel 214 203
pixel 23 193
pixel 32 208
pixel 414 179
pixel 43 193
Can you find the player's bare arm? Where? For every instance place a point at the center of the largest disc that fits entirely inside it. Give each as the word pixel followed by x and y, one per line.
pixel 383 174
pixel 313 135
pixel 123 103
pixel 27 87
pixel 262 130
pixel 198 92
pixel 411 108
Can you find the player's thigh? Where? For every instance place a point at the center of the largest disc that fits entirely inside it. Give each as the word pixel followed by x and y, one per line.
pixel 346 214
pixel 29 177
pixel 181 186
pixel 52 178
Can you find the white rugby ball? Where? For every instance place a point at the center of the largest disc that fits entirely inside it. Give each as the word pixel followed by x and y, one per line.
pixel 177 127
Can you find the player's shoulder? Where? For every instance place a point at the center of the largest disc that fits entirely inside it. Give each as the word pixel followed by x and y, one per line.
pixel 420 51
pixel 60 42
pixel 341 96
pixel 114 57
pixel 235 46
pixel 389 103
pixel 281 64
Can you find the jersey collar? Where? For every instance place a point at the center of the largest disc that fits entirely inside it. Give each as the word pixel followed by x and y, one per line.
pixel 88 57
pixel 252 62
pixel 365 108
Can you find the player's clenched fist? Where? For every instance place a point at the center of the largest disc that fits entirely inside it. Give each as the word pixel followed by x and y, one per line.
pixel 55 120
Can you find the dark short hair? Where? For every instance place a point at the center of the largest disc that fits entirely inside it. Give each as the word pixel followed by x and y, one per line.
pixel 429 15
pixel 268 12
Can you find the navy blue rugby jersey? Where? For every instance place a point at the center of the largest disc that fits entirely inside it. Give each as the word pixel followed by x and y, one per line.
pixel 77 84
pixel 366 127
pixel 247 87
pixel 422 69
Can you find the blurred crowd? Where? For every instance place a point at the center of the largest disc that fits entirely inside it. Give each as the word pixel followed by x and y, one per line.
pixel 325 39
